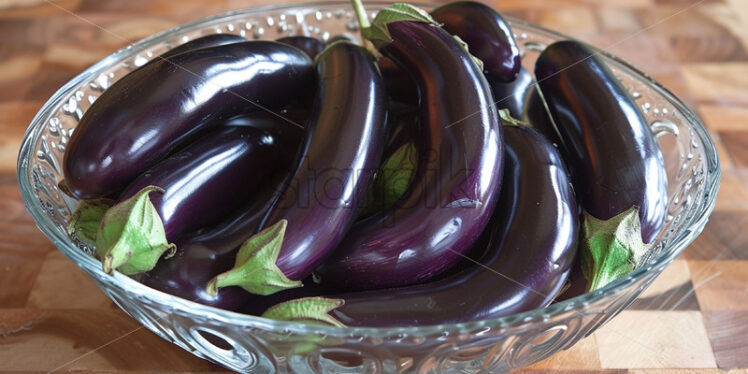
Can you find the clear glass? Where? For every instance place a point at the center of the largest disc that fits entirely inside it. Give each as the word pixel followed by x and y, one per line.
pixel 261 345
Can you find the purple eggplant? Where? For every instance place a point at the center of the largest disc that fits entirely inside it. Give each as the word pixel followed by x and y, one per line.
pixel 208 179
pixel 146 114
pixel 456 183
pixel 210 251
pixel 312 46
pixel 615 161
pixel 343 148
pixel 198 187
pixel 486 33
pixel 521 269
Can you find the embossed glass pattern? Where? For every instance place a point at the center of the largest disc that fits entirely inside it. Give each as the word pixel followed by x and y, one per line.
pixel 260 345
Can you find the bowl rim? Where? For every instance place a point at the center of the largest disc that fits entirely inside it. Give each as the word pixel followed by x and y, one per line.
pixel 694 226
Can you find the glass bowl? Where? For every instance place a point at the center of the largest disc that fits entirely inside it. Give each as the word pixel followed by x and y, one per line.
pixel 261 345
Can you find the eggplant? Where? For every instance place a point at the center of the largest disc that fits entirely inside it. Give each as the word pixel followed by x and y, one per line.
pixel 197 187
pixel 146 114
pixel 532 245
pixel 312 46
pixel 203 254
pixel 456 183
pixel 487 35
pixel 617 166
pixel 343 148
pixel 208 179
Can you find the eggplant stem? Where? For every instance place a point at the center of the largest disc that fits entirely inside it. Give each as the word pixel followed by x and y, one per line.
pixel 363 20
pixel 365 25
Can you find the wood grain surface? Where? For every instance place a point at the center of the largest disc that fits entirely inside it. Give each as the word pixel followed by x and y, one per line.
pixel 694 318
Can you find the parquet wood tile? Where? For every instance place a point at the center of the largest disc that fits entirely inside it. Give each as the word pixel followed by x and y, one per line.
pixel 693 318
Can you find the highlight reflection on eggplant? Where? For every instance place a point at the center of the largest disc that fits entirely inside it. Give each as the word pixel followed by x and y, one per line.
pixel 146 114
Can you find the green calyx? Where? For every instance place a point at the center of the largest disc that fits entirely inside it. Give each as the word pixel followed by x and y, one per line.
pixel 612 248
pixel 392 181
pixel 311 310
pixel 131 236
pixel 255 269
pixel 86 219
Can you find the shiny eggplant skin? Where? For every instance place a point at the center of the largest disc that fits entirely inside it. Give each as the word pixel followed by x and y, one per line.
pixel 208 179
pixel 611 151
pixel 146 114
pixel 486 33
pixel 203 254
pixel 212 40
pixel 531 249
pixel 344 147
pixel 312 46
pixel 455 186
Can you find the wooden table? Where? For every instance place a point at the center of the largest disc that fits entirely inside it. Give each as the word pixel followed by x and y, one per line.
pixel 694 317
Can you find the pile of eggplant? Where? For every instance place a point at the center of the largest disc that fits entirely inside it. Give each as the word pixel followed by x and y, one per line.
pixel 421 178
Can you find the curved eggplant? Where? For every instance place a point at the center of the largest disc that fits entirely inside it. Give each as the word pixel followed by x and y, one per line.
pixel 146 114
pixel 344 147
pixel 197 187
pixel 312 46
pixel 456 183
pixel 208 179
pixel 210 251
pixel 521 270
pixel 616 162
pixel 486 33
